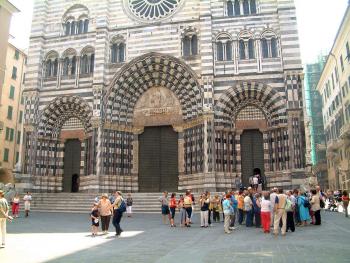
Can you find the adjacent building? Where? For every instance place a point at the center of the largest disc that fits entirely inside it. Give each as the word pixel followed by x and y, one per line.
pixel 334 89
pixel 12 111
pixel 313 101
pixel 148 96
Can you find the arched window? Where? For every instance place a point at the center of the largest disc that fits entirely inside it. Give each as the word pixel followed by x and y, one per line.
pixel 92 63
pixel 80 26
pixel 86 25
pixel 251 50
pixel 48 68
pixel 65 66
pixel 194 45
pixel 252 6
pixel 72 28
pixel 274 52
pixel 121 53
pixel 114 53
pixel 242 49
pixel 246 7
pixel 230 11
pixel 264 48
pixel 186 46
pixel 220 51
pixel 55 67
pixel 228 50
pixel 237 8
pixel 84 64
pixel 67 25
pixel 73 67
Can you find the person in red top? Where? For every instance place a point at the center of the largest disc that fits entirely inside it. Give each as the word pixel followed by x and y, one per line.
pixel 345 200
pixel 172 205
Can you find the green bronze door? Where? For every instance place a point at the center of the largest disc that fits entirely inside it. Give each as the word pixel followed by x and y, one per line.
pixel 158 159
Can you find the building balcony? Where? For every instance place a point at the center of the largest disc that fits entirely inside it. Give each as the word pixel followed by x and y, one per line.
pixel 345 131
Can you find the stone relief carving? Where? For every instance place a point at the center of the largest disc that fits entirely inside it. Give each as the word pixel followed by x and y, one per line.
pixel 157 106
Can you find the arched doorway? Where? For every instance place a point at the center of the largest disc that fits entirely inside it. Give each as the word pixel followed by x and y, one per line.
pixel 252 154
pixel 72 153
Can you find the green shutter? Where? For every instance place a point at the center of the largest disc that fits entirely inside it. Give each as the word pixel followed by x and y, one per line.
pixel 20 116
pixel 17 157
pixel 12 133
pixel 12 92
pixel 7 135
pixel 16 54
pixel 18 137
pixel 6 155
pixel 14 72
pixel 9 112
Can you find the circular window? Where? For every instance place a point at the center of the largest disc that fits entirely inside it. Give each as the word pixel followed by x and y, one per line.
pixel 153 10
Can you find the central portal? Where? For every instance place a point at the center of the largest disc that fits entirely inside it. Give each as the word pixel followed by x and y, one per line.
pixel 158 159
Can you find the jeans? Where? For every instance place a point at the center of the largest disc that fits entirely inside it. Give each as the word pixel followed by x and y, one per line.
pixel 257 218
pixel 240 216
pixel 216 216
pixel 209 217
pixel 182 216
pixel 105 222
pixel 249 220
pixel 317 217
pixel 117 216
pixel 290 221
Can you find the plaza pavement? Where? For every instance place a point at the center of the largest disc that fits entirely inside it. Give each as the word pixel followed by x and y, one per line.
pixel 59 237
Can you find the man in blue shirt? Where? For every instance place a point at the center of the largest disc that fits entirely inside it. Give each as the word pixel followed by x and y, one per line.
pixel 234 204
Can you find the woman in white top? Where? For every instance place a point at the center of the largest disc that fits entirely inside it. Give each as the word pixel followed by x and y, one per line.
pixel 15 206
pixel 266 212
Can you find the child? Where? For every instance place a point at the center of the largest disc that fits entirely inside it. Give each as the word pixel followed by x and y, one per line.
pixel 129 202
pixel 95 222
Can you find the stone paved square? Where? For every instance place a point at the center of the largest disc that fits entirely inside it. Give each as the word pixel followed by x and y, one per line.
pixel 59 237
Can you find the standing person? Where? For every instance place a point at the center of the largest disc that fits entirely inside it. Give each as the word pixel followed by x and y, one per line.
pixel 129 203
pixel 15 206
pixel 119 207
pixel 303 204
pixel 255 182
pixel 215 205
pixel 188 207
pixel 294 199
pixel 273 195
pixel 240 207
pixel 4 215
pixel 192 206
pixel 315 206
pixel 237 182
pixel 27 199
pixel 105 208
pixel 257 209
pixel 172 206
pixel 290 207
pixel 234 205
pixel 95 223
pixel 204 203
pixel 248 208
pixel 165 207
pixel 207 193
pixel 280 213
pixel 345 200
pixel 227 208
pixel 182 210
pixel 266 212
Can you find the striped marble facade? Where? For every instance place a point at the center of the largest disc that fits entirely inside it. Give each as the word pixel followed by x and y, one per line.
pixel 214 95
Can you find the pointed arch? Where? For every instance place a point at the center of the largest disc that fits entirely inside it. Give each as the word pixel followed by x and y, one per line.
pixel 244 94
pixel 150 70
pixel 59 110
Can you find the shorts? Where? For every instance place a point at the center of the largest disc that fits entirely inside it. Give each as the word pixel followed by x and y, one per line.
pixel 172 211
pixel 165 210
pixel 93 222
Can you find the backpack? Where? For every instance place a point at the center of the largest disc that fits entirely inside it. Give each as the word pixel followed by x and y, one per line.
pixel 322 203
pixel 289 205
pixel 306 203
pixel 122 207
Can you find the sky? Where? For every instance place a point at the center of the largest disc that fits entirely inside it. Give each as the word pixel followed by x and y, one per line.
pixel 318 23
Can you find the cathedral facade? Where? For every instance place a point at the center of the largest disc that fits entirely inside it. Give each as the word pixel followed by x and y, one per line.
pixel 153 95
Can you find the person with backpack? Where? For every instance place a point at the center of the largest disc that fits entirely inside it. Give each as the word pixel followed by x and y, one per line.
pixel 119 207
pixel 227 209
pixel 188 207
pixel 204 203
pixel 303 204
pixel 172 205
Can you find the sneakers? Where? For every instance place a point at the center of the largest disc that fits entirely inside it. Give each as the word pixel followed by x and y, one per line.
pixel 232 228
pixel 228 232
